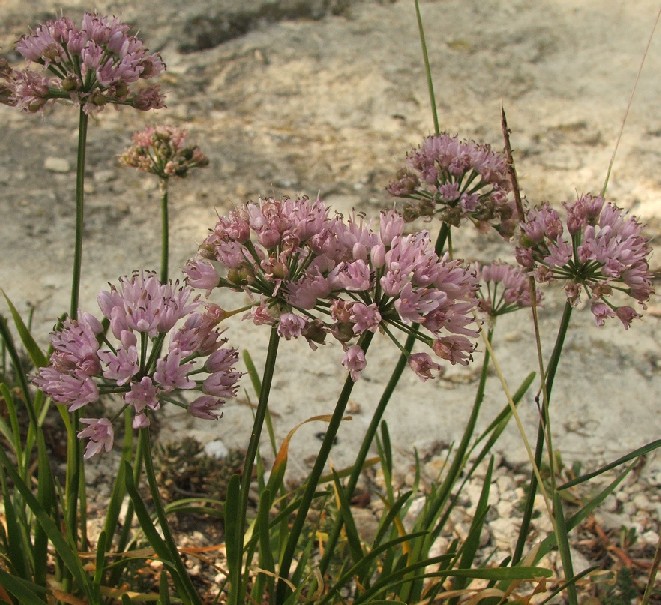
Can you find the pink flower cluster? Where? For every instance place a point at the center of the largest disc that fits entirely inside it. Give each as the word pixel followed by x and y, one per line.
pixel 162 151
pixel 504 288
pixel 93 65
pixel 603 251
pixel 456 179
pixel 311 275
pixel 87 363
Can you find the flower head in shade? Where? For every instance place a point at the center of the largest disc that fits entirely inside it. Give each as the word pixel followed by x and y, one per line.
pixel 160 343
pixel 94 65
pixel 312 275
pixel 162 151
pixel 456 179
pixel 601 252
pixel 503 288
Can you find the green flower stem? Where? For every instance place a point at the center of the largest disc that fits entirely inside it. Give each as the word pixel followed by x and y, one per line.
pixel 125 533
pixel 444 492
pixel 236 596
pixel 366 444
pixel 165 231
pixel 425 56
pixel 75 480
pixel 80 206
pixel 444 236
pixel 282 589
pixel 162 519
pixel 377 417
pixel 541 432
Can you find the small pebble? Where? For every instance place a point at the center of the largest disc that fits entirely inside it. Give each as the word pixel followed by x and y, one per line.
pixel 54 164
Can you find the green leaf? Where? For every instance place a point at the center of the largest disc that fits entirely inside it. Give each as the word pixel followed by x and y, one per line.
pixel 388 519
pixel 101 546
pixel 27 593
pixel 233 541
pixel 563 547
pixel 17 546
pixel 32 348
pixel 266 559
pixel 164 593
pixel 63 548
pixel 353 538
pixel 549 542
pixel 154 538
pixel 358 568
pixel 472 542
pixel 641 451
pixel 46 497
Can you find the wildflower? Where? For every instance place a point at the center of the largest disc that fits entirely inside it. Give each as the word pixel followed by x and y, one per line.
pixel 423 365
pixel 354 361
pixel 311 275
pixel 162 151
pixel 132 360
pixel 603 252
pixel 100 434
pixel 456 179
pixel 505 289
pixel 94 65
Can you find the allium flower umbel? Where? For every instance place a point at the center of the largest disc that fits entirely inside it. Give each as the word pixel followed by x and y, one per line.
pixel 503 288
pixel 160 342
pixel 601 252
pixel 93 65
pixel 456 179
pixel 162 151
pixel 312 275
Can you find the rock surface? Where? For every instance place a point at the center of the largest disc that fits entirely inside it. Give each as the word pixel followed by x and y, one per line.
pixel 325 97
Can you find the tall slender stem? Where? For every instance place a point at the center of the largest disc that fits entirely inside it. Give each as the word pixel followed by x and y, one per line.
pixel 377 417
pixel 75 480
pixel 80 214
pixel 165 231
pixel 541 432
pixel 366 444
pixel 178 564
pixel 236 586
pixel 282 589
pixel 425 57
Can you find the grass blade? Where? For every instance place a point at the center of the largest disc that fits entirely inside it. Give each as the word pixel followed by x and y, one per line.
pixel 31 346
pixel 563 547
pixel 641 451
pixel 63 548
pixel 25 592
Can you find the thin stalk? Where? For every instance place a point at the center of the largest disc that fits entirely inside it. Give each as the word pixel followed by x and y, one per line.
pixel 541 433
pixel 236 596
pixel 425 57
pixel 165 231
pixel 443 494
pixel 283 590
pixel 366 445
pixel 163 522
pixel 75 479
pixel 376 418
pixel 80 214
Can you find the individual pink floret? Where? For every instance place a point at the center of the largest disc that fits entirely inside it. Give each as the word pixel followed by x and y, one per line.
pixel 354 361
pixel 100 434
